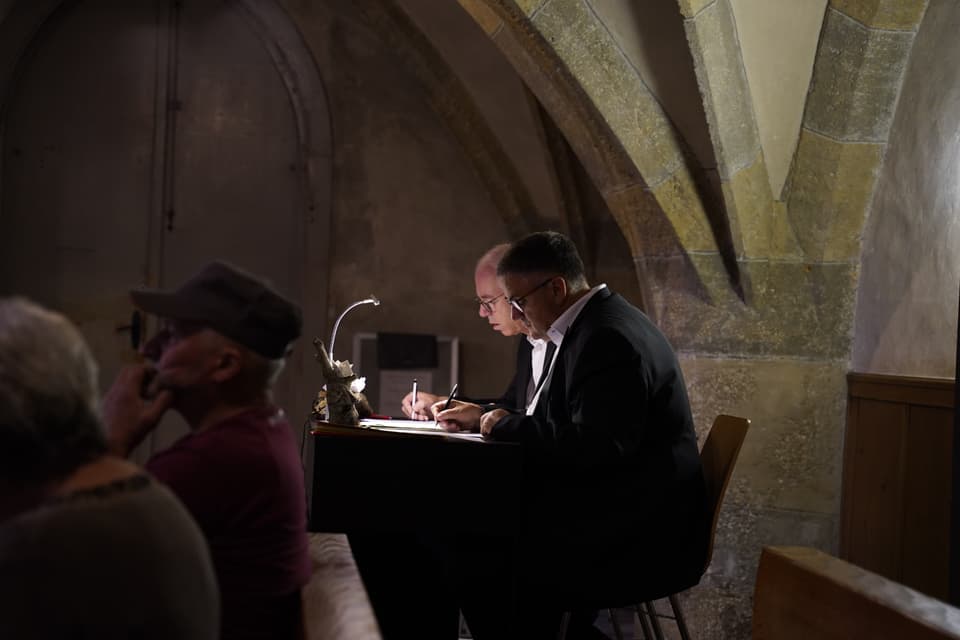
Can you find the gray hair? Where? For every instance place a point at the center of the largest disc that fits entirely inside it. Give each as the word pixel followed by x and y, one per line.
pixel 49 396
pixel 265 370
pixel 489 260
pixel 259 373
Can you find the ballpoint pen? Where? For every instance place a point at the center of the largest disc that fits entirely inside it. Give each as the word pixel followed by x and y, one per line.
pixel 413 402
pixel 453 392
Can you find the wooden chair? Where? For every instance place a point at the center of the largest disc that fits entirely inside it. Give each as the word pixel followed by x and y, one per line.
pixel 718 456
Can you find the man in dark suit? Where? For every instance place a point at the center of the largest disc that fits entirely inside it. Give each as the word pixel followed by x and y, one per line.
pixel 613 480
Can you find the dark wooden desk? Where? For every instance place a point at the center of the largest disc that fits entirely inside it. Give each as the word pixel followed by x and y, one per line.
pixel 403 499
pixel 366 481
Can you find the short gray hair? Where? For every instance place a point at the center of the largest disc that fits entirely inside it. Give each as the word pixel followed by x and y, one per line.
pixel 49 396
pixel 259 372
pixel 489 260
pixel 265 370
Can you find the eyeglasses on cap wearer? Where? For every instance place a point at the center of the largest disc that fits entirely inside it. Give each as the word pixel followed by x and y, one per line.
pixel 488 304
pixel 174 329
pixel 519 302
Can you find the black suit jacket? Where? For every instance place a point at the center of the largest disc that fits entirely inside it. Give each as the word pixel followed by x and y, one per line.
pixel 515 397
pixel 613 483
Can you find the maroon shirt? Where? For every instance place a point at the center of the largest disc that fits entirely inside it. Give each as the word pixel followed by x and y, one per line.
pixel 242 481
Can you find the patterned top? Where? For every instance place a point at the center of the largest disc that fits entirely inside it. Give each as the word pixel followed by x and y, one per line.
pixel 121 560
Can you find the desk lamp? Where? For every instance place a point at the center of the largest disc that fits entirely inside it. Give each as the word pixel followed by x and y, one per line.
pixel 333 337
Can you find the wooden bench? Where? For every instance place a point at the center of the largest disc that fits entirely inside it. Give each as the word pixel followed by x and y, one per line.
pixel 805 594
pixel 335 603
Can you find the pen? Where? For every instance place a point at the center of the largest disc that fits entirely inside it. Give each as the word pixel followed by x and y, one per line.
pixel 413 403
pixel 453 392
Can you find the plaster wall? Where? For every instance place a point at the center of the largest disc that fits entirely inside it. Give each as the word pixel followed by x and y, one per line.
pixel 906 318
pixel 778 43
pixel 497 92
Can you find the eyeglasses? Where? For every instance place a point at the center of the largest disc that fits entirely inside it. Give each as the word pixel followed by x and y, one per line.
pixel 175 330
pixel 488 304
pixel 519 302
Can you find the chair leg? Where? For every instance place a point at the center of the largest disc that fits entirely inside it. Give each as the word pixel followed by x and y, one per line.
pixel 642 620
pixel 678 615
pixel 564 623
pixel 654 620
pixel 617 631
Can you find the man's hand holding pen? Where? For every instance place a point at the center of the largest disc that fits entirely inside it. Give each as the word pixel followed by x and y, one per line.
pixel 422 408
pixel 458 415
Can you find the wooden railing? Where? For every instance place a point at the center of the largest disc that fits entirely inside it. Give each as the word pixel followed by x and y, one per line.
pixel 335 603
pixel 895 518
pixel 805 594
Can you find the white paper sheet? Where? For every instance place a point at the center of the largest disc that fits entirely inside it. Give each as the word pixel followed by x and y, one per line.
pixel 415 426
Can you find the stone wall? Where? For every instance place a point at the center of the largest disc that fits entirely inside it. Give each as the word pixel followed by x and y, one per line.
pixel 757 292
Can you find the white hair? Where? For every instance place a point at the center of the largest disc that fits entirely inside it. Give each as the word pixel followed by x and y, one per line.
pixel 49 396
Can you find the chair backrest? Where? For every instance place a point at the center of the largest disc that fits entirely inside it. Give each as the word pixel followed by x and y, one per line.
pixel 718 456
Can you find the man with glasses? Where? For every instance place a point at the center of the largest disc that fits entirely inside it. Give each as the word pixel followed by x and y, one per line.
pixel 613 482
pixel 532 353
pixel 224 338
pixel 407 590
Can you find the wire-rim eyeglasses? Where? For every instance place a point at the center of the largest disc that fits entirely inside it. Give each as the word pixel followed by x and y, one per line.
pixel 519 302
pixel 488 304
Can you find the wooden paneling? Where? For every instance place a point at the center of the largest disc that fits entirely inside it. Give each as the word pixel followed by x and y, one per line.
pixel 930 392
pixel 926 514
pixel 874 525
pixel 896 480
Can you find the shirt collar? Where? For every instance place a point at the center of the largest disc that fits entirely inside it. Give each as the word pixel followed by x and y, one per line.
pixel 535 342
pixel 560 326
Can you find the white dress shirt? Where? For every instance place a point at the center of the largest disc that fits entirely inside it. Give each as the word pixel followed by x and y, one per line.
pixel 537 357
pixel 556 332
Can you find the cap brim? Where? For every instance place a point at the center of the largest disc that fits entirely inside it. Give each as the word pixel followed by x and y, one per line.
pixel 162 303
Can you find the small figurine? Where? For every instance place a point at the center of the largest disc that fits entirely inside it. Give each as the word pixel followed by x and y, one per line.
pixel 343 402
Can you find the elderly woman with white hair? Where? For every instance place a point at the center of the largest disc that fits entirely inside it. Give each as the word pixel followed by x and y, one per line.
pixel 90 545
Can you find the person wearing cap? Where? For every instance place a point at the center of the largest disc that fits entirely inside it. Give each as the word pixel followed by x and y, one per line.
pixel 90 545
pixel 224 337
